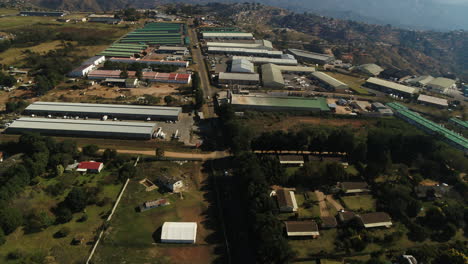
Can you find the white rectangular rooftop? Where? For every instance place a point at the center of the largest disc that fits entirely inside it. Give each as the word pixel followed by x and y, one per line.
pixel 391 85
pixel 84 109
pixel 179 232
pixel 227 35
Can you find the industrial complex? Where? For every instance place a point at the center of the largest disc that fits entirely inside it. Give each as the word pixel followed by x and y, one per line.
pixel 273 103
pixel 135 112
pixel 83 128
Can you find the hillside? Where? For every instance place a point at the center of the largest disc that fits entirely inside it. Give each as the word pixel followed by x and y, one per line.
pixel 421 52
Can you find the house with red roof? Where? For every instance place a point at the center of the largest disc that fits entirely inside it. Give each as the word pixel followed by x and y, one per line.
pixel 90 167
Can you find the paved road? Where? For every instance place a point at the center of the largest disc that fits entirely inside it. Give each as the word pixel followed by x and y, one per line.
pixel 200 66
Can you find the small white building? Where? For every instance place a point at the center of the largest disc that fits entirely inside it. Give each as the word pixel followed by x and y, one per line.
pixel 82 71
pixel 441 85
pixel 171 182
pixel 179 232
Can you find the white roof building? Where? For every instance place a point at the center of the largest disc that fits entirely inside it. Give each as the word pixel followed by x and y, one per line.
pixel 285 60
pixel 179 232
pixel 370 69
pixel 242 65
pixel 441 85
pixel 426 99
pixel 391 87
pixel 226 35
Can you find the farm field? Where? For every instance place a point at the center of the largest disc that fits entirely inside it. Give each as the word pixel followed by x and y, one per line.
pixel 44 242
pixel 16 55
pixel 359 202
pixel 133 237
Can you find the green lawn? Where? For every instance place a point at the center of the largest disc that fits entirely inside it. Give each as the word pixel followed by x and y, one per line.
pixel 325 242
pixel 353 82
pixel 359 202
pixel 307 208
pixel 43 242
pixel 133 237
pixel 8 11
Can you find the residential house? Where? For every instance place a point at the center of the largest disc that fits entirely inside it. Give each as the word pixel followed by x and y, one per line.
pixel 378 219
pixel 286 201
pixel 353 187
pixel 432 192
pixel 172 182
pixel 302 229
pixel 90 167
pixel 292 160
pixel 328 222
pixel 153 204
pixel 346 216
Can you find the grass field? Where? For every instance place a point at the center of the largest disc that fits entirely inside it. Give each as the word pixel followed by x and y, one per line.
pixel 359 202
pixel 43 242
pixel 133 237
pixel 16 55
pixel 305 212
pixel 8 11
pixel 353 82
pixel 308 247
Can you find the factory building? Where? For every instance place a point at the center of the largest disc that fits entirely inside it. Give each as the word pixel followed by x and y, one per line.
pixel 239 78
pixel 246 52
pixel 108 19
pixel 83 128
pixel 242 66
pixel 82 71
pixel 173 50
pixel 258 44
pixel 180 78
pixel 390 87
pixel 420 81
pixel 136 112
pixel 329 82
pixel 370 69
pixel 441 85
pixel 150 62
pixel 273 103
pixel 286 59
pixel 311 57
pixel 272 77
pixel 431 100
pixel 96 60
pixel 43 13
pixel 227 35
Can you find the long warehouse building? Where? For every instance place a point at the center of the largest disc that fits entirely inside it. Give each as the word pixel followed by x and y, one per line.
pixel 246 52
pixel 227 35
pixel 83 128
pixel 136 112
pixel 285 60
pixel 259 44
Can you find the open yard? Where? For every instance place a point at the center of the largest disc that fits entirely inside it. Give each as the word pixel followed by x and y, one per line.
pixel 359 202
pixel 308 205
pixel 134 237
pixel 353 82
pixel 44 243
pixel 16 55
pixel 307 247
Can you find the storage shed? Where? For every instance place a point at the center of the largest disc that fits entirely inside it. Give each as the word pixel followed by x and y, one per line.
pixel 179 232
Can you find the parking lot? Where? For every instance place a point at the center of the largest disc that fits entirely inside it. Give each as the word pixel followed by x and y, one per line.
pixel 185 128
pixel 297 82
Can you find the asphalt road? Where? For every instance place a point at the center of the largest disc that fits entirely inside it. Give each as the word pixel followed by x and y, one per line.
pixel 200 66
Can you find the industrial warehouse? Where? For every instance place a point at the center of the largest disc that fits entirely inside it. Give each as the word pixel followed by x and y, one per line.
pixel 390 87
pixel 311 57
pixel 83 128
pixel 258 44
pixel 135 112
pixel 272 103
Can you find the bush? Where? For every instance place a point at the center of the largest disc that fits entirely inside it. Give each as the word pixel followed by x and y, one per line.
pixel 2 237
pixel 90 150
pixel 63 214
pixel 15 254
pixel 104 201
pixel 63 232
pixel 83 218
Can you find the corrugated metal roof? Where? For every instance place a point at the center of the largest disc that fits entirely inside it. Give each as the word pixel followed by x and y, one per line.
pixel 105 109
pixel 265 52
pixel 262 60
pixel 329 80
pixel 432 100
pixel 311 55
pixel 272 76
pixel 260 44
pixel 242 66
pixel 83 125
pixel 179 231
pixel 227 35
pixel 441 82
pixel 272 101
pixel 392 85
pixel 239 76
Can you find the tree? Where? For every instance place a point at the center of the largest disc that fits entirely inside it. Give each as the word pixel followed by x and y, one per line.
pixel 2 237
pixel 76 200
pixel 62 232
pixel 159 152
pixel 127 171
pixel 10 219
pixel 38 221
pixel 417 233
pixel 453 256
pixel 124 74
pixel 169 100
pixel 59 170
pixel 90 150
pixel 63 214
pixel 109 154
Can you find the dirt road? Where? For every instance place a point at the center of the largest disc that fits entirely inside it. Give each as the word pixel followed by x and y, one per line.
pixel 324 210
pixel 182 155
pixel 334 202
